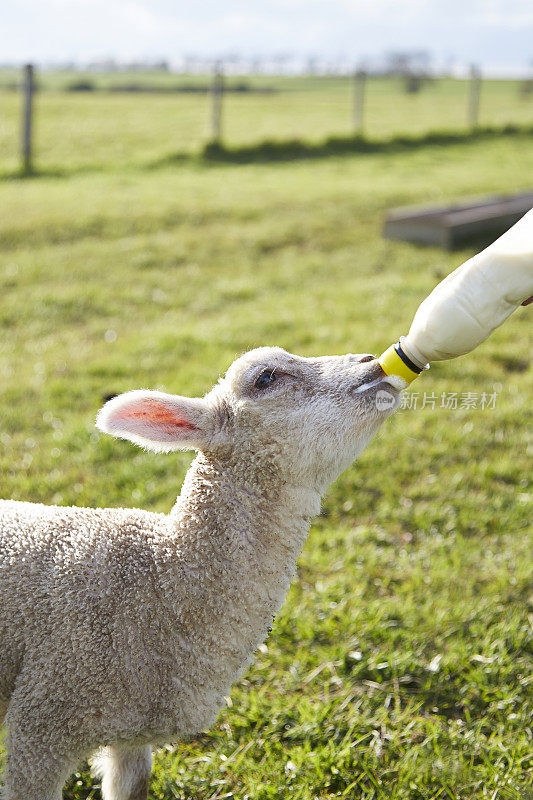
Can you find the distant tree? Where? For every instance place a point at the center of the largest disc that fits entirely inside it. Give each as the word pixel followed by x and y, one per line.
pixel 526 86
pixel 413 67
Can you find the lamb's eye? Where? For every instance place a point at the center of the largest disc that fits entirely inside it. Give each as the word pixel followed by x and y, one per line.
pixel 267 378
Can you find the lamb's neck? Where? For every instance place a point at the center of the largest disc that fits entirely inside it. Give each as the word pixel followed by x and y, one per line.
pixel 239 542
pixel 220 509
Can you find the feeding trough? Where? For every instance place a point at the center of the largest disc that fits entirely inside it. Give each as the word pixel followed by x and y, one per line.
pixel 456 225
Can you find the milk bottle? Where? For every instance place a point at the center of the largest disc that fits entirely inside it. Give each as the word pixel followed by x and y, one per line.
pixel 464 309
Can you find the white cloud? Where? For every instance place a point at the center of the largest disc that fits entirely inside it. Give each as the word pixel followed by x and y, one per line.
pixel 494 31
pixel 139 15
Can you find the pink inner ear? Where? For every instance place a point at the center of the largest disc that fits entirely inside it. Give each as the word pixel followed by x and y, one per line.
pixel 159 415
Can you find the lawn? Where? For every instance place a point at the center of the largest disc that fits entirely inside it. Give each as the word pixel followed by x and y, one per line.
pixel 91 130
pixel 400 665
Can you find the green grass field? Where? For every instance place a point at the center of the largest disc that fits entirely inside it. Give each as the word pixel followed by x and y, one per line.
pixel 92 130
pixel 400 666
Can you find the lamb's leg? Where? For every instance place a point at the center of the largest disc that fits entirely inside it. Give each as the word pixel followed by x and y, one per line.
pixel 35 768
pixel 40 753
pixel 125 772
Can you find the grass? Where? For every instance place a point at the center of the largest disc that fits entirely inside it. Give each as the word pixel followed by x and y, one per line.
pixel 400 665
pixel 271 150
pixel 95 130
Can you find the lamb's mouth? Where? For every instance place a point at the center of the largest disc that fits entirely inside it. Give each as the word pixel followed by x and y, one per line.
pixel 381 390
pixel 381 394
pixel 385 382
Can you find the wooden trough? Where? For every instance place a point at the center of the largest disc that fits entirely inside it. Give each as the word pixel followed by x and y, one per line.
pixel 453 226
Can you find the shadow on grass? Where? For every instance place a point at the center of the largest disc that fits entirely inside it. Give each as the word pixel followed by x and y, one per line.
pixel 271 151
pixel 295 149
pixel 45 172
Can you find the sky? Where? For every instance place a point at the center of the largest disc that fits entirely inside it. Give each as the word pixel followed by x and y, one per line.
pixel 492 33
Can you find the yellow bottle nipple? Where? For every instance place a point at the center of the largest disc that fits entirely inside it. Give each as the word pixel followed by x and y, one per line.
pixel 394 362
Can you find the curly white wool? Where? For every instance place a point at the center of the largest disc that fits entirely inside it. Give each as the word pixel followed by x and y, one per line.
pixel 121 628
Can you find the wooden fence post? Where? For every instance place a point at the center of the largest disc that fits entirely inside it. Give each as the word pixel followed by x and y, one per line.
pixel 217 92
pixel 359 84
pixel 27 110
pixel 473 97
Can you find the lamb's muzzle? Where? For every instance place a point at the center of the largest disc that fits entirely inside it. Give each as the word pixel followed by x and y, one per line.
pixel 123 628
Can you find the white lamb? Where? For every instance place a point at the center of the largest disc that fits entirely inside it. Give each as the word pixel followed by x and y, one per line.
pixel 123 629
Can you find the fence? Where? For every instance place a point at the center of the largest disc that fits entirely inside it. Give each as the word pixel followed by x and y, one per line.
pixel 300 109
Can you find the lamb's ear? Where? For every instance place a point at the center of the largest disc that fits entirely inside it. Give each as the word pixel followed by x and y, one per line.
pixel 158 421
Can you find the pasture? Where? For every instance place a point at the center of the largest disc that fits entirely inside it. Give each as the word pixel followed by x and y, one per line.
pixel 100 129
pixel 400 665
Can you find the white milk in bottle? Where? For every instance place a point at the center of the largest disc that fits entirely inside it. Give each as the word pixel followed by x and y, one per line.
pixel 464 309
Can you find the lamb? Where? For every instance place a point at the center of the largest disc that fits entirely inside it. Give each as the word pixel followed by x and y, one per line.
pixel 123 629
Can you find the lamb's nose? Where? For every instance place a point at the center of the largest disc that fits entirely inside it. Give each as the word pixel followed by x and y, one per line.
pixel 368 357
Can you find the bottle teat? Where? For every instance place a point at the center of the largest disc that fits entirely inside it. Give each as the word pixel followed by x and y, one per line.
pixel 395 361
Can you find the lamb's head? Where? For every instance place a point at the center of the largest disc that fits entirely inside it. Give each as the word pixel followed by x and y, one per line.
pixel 303 419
